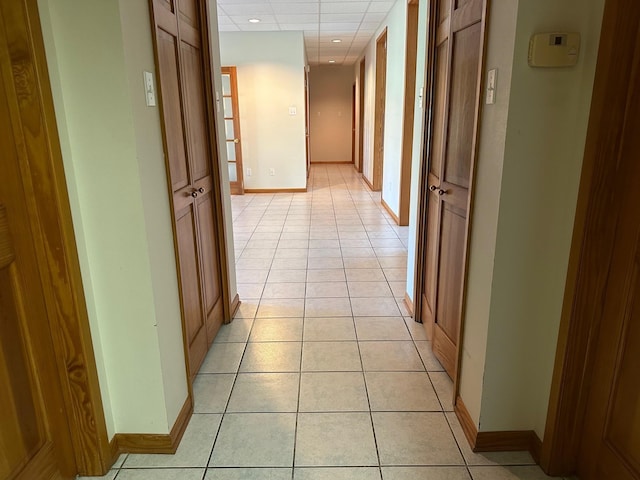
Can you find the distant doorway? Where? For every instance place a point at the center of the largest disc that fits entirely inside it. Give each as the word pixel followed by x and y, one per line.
pixel 232 129
pixel 381 87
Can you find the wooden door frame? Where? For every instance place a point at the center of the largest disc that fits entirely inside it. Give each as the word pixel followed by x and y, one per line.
pixel 361 83
pixel 409 112
pixel 378 157
pixel 59 265
pixel 233 77
pixel 591 244
pixel 421 233
pixel 353 124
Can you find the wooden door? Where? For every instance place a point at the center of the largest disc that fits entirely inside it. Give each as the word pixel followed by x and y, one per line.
pixel 361 76
pixel 353 125
pixel 381 91
pixel 307 146
pixel 190 161
pixel 611 438
pixel 35 440
pixel 233 140
pixel 457 63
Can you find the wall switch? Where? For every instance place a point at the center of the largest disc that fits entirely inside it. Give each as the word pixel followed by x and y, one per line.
pixel 293 111
pixel 272 171
pixel 248 172
pixel 491 86
pixel 149 89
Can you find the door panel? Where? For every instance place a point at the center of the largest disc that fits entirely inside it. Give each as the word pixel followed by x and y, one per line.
pixel 196 120
pixel 380 104
pixel 175 145
pixel 464 79
pixel 184 104
pixel 457 63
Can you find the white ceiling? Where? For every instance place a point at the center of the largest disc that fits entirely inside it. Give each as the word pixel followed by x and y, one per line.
pixel 352 21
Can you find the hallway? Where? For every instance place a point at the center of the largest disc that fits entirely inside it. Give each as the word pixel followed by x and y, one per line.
pixel 322 375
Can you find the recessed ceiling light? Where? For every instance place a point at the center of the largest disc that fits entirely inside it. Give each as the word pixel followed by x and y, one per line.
pixel 336 40
pixel 332 61
pixel 254 20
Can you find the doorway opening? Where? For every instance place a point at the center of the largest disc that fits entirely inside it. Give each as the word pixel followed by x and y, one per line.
pixel 380 99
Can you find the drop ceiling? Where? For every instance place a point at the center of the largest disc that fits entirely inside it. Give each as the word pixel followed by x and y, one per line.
pixel 352 22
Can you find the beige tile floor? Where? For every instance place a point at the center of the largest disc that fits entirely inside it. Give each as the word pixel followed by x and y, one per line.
pixel 322 375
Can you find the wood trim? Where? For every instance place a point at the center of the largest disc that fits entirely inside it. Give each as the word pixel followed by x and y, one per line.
pixel 409 304
pixel 389 211
pixel 332 163
pixel 425 148
pixel 369 184
pixel 592 241
pixel 275 190
pixel 361 115
pixel 409 112
pixel 485 5
pixel 58 258
pixel 156 443
pixel 500 441
pixel 235 305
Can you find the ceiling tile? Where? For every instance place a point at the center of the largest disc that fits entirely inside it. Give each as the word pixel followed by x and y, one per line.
pixel 341 18
pixel 374 17
pixel 248 9
pixel 295 8
pixel 264 19
pixel 380 7
pixel 344 7
pixel 307 18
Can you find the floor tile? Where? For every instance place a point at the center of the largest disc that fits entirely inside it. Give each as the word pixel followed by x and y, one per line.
pixel 254 263
pixel 327 290
pixel 283 290
pixel 271 357
pixel 289 264
pixel 255 440
pixel 401 391
pixel 161 474
pixel 395 274
pixel 265 392
pixel 412 438
pixel 193 450
pixel 374 307
pixel 337 473
pixel 369 289
pixel 276 330
pixel 327 307
pixel 110 475
pixel 280 307
pixel 251 276
pixel 508 473
pixel 426 353
pixel 444 389
pixel 287 276
pixel 248 308
pixel 416 329
pixel 333 392
pixel 325 275
pixel 292 253
pixel 248 474
pixel 365 275
pixel 361 263
pixel 390 356
pixel 250 290
pixel 381 328
pixel 211 392
pixel 236 331
pixel 328 329
pixel 425 473
pixel 335 439
pixel 223 358
pixel 330 357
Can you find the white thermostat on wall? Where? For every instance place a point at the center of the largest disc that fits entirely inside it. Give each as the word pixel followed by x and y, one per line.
pixel 556 49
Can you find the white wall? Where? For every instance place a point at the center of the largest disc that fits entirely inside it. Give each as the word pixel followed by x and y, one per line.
pixel 270 67
pixel 113 156
pixel 418 136
pixel 222 150
pixel 531 150
pixel 396 25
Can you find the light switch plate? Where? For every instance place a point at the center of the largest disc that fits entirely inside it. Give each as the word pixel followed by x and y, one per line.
pixel 293 111
pixel 149 89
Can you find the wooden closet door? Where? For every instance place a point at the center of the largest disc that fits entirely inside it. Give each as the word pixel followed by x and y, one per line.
pixel 35 441
pixel 189 161
pixel 458 58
